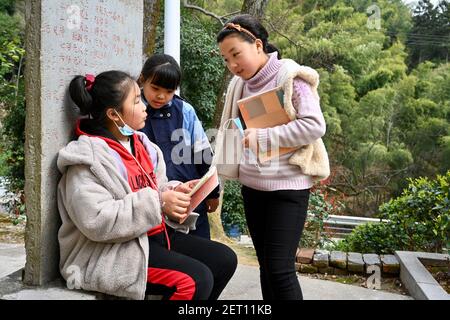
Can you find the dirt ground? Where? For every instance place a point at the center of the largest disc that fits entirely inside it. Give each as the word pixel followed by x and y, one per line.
pixel 9 232
pixel 442 276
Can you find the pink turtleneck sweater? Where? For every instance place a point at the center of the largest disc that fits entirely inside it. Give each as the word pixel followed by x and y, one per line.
pixel 278 174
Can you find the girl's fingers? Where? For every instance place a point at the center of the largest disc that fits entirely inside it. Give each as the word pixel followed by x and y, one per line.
pixel 183 188
pixel 179 210
pixel 182 204
pixel 183 198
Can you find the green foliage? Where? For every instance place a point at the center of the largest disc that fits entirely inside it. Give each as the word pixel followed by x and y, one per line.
pixel 201 63
pixel 202 66
pixel 383 123
pixel 12 101
pixel 429 38
pixel 318 210
pixel 423 210
pixel 7 6
pixel 418 220
pixel 233 207
pixel 381 238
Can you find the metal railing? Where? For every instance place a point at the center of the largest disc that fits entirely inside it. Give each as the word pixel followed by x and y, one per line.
pixel 341 226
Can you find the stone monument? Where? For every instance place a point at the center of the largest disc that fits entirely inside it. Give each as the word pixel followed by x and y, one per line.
pixel 65 38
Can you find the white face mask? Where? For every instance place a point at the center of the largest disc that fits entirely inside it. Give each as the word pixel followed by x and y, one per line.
pixel 125 130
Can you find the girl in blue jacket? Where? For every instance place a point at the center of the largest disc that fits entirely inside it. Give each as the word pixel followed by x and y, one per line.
pixel 173 125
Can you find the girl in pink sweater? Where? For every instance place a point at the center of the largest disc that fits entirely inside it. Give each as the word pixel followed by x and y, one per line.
pixel 275 193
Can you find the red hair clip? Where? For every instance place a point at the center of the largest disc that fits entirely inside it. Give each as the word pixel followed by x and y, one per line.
pixel 89 79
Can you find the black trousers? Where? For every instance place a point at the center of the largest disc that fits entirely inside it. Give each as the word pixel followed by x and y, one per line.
pixel 275 220
pixel 193 269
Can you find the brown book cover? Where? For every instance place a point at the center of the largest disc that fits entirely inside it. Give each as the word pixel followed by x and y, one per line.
pixel 265 110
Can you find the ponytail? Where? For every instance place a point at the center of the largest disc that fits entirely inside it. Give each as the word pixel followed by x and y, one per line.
pixel 272 48
pixel 94 95
pixel 80 95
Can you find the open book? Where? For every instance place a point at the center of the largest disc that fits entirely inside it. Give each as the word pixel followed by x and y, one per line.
pixel 265 110
pixel 202 189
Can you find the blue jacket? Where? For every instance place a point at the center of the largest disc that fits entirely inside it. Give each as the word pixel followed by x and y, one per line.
pixel 176 129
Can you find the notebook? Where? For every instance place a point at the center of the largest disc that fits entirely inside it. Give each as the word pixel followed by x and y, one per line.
pixel 265 110
pixel 202 189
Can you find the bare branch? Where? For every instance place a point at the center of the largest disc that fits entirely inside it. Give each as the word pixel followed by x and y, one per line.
pixel 221 19
pixel 231 14
pixel 295 44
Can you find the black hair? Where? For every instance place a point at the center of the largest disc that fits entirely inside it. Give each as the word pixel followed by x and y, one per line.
pixel 110 89
pixel 162 70
pixel 253 25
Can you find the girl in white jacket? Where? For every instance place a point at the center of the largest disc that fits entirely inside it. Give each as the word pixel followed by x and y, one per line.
pixel 116 205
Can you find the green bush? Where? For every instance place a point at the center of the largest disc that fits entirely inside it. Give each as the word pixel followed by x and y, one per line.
pixel 382 238
pixel 418 221
pixel 233 207
pixel 318 211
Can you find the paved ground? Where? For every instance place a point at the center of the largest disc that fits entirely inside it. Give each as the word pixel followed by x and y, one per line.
pixel 243 286
pixel 12 258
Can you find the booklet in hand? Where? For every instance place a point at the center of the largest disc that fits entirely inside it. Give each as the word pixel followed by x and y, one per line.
pixel 265 110
pixel 202 189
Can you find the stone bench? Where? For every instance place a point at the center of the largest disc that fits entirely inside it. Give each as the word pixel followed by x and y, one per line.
pixel 13 288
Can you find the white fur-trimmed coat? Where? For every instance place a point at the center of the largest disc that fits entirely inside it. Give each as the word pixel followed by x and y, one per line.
pixel 312 158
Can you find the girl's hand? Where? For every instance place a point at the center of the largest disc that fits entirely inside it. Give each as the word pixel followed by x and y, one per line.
pixel 251 139
pixel 186 187
pixel 212 204
pixel 175 204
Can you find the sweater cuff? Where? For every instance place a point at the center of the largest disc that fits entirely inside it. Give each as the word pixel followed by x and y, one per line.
pixel 263 140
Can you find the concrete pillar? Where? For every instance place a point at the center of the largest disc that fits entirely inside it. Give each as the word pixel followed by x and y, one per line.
pixel 65 38
pixel 172 20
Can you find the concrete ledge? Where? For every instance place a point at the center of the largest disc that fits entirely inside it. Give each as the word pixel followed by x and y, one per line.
pixel 416 278
pixel 13 288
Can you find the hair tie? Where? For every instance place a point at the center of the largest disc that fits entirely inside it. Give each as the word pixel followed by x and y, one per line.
pixel 238 28
pixel 89 79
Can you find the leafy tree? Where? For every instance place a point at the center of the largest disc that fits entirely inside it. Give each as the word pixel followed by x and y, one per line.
pixel 429 39
pixel 383 123
pixel 12 99
pixel 417 220
pixel 201 65
pixel 8 6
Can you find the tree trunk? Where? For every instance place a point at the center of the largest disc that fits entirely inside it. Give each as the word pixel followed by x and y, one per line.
pixel 152 14
pixel 215 222
pixel 256 8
